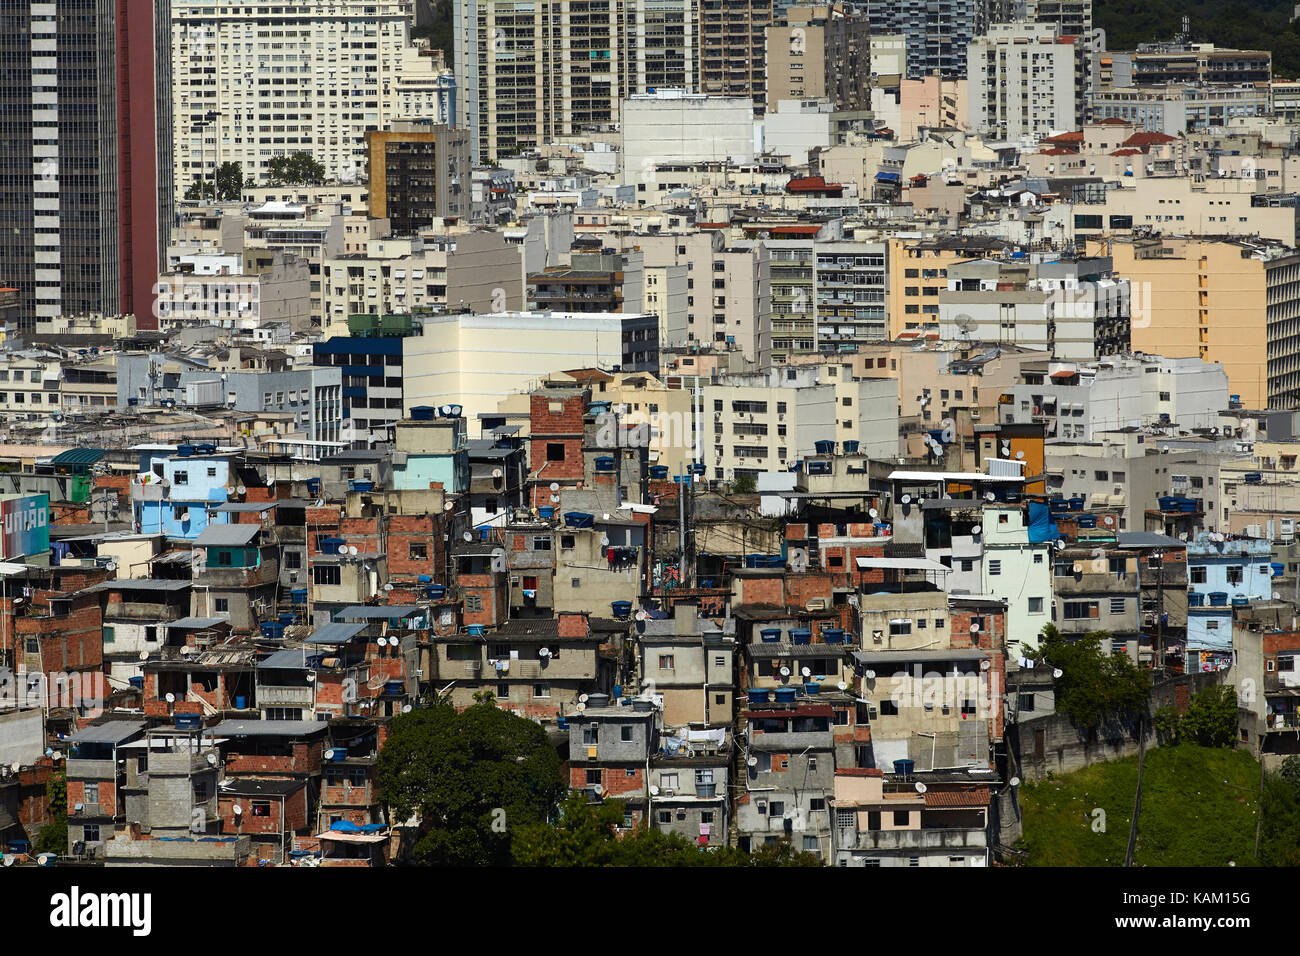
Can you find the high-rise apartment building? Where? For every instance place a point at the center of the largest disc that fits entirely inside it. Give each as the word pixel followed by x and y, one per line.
pixel 82 220
pixel 819 52
pixel 419 172
pixel 937 31
pixel 527 73
pixel 732 44
pixel 252 82
pixel 1022 81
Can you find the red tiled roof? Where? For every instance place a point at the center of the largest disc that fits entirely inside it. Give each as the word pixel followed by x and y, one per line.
pixel 1058 151
pixel 1148 139
pixel 859 772
pixel 1112 121
pixel 1064 373
pixel 798 230
pixel 1074 136
pixel 810 184
pixel 949 799
pixel 712 225
pixel 1127 152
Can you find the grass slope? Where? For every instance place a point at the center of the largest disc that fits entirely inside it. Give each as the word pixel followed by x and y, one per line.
pixel 1198 809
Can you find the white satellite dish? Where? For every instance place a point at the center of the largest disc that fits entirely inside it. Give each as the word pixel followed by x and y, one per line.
pixel 468 536
pixel 382 641
pixel 604 541
pixel 1078 567
pixel 144 655
pixel 343 549
pixel 555 486
pixel 974 628
pixel 388 586
pixel 654 791
pixel 212 760
pixel 406 708
pixel 581 707
pixel 555 499
pixel 870 675
pixel 1020 455
pixel 1057 672
pixel 497 473
pixel 16 767
pixel 805 672
pixel 582 698
pixel 242 490
pixel 842 685
pixel 1060 544
pixel 985 665
pixel 920 787
pixel 751 760
pixel 785 672
pixel 544 652
pixel 905 499
pixel 171 698
pixel 977 529
pixel 448 505
pixel 311 677
pixel 352 550
pixel 642 615
pixel 238 809
pixel 111 566
pixel 990 496
pixel 9 860
pixel 1014 781
pixel 874 513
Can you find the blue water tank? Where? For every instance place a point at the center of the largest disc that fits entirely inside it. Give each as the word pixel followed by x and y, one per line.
pixel 241 703
pixel 423 413
pixel 851 447
pixel 801 635
pixel 546 511
pixel 784 695
pixel 621 609
pixel 770 635
pixel 811 688
pixel 425 579
pixel 474 630
pixel 659 472
pixel 824 447
pixel 758 696
pixel 904 767
pixel 604 463
pixel 187 721
pixel 435 592
pixel 298 595
pixel 833 635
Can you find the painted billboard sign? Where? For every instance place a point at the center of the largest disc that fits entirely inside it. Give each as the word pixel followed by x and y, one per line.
pixel 25 520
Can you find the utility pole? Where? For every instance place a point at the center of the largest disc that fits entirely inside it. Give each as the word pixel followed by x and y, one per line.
pixel 1137 799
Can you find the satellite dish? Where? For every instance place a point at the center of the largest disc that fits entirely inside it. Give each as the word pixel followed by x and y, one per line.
pixel 985 665
pixel 242 490
pixel 920 787
pixel 9 860
pixel 582 698
pixel 497 473
pixel 448 505
pixel 604 541
pixel 1020 455
pixel 171 698
pixel 990 496
pixel 581 708
pixel 111 566
pixel 1078 567
pixel 238 809
pixel 751 760
pixel 1060 544
pixel 785 672
pixel 445 409
pixel 543 652
pixel 468 536
pixel 555 486
pixel 212 760
pixel 874 513
pixel 16 767
pixel 343 549
pixel 1014 781
pixel 555 499
pixel 905 499
pixel 388 586
pixel 805 672
pixel 974 628
pixel 144 655
pixel 406 709
pixel 352 550
pixel 978 529
pixel 870 675
pixel 654 791
pixel 1057 672
pixel 642 615
pixel 842 685
pixel 382 642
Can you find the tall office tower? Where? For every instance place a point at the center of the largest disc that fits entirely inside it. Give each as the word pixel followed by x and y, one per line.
pixel 529 72
pixel 1022 81
pixel 733 48
pixel 419 172
pixel 81 224
pixel 937 31
pixel 256 81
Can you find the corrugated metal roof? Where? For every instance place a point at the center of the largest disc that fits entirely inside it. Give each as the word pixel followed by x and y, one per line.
pixel 78 456
pixel 227 535
pixel 288 659
pixel 269 728
pixel 377 612
pixel 110 732
pixel 196 623
pixel 336 633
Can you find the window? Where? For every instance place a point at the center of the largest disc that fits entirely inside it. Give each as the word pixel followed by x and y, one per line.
pixel 899 628
pixel 542 542
pixel 667 662
pixel 555 451
pixel 593 778
pixel 1035 605
pixel 91 795
pixel 542 690
pixel 261 808
pixel 625 733
pixel 901 818
pixel 418 551
pixel 181 478
pixel 326 574
pixel 1079 610
pixel 1025 702
pixel 503 691
pixel 1235 574
pixel 1118 605
pixel 221 605
pixel 995 567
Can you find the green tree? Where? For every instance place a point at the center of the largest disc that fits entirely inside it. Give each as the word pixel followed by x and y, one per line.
pixel 53 837
pixel 1094 686
pixel 587 834
pixel 472 778
pixel 229 186
pixel 296 169
pixel 744 485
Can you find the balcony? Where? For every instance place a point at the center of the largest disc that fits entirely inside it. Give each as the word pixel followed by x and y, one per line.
pixel 281 696
pixel 848 838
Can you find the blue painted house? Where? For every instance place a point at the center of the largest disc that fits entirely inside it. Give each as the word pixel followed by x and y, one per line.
pixel 177 485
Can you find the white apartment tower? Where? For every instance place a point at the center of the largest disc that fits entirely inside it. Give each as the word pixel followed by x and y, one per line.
pixel 1022 81
pixel 255 81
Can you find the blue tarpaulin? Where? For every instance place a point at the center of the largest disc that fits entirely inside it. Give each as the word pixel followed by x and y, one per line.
pixel 1041 526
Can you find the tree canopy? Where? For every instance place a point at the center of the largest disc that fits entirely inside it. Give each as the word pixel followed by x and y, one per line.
pixel 296 169
pixel 229 184
pixel 1094 686
pixel 472 777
